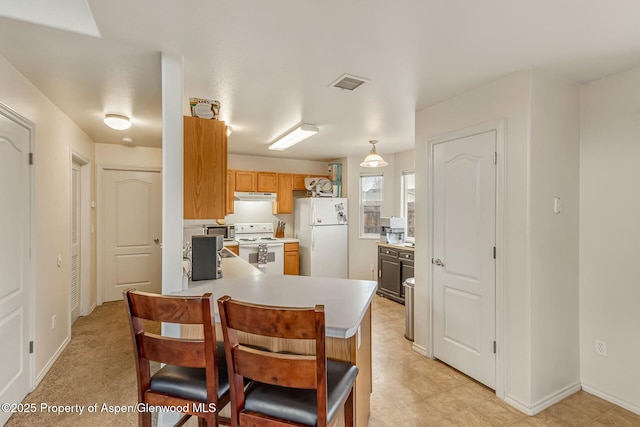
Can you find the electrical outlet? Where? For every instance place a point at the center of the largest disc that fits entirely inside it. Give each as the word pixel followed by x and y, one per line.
pixel 53 322
pixel 371 268
pixel 601 348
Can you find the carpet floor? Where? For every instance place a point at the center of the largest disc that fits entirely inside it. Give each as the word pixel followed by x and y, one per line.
pixel 97 367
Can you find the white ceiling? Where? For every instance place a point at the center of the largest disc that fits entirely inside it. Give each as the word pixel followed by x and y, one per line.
pixel 270 63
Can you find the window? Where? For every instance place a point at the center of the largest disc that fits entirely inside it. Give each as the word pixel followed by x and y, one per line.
pixel 370 204
pixel 408 209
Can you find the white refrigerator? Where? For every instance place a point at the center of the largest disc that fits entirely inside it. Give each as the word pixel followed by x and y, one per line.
pixel 321 226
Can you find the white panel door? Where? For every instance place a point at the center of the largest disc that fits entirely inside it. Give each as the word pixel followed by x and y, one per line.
pixel 132 206
pixel 14 263
pixel 464 179
pixel 328 251
pixel 76 261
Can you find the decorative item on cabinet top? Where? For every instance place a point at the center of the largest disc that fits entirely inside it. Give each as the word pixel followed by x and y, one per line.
pixel 204 108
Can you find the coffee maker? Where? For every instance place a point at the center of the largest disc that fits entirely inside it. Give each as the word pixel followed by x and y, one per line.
pixel 392 230
pixel 205 257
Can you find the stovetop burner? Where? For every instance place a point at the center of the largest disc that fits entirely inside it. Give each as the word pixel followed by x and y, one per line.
pixel 251 233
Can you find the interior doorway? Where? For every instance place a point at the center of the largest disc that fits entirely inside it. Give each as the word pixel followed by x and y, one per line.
pixel 16 286
pixel 130 232
pixel 79 237
pixel 466 217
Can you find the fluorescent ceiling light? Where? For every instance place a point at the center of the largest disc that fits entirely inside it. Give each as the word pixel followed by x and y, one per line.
pixel 373 159
pixel 302 132
pixel 116 121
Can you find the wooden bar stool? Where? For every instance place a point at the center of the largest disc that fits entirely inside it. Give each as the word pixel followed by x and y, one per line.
pixel 286 389
pixel 195 374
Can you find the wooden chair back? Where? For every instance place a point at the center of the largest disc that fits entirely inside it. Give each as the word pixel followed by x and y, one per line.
pixel 191 353
pixel 283 369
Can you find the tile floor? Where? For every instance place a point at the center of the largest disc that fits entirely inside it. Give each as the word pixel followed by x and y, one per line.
pixel 412 390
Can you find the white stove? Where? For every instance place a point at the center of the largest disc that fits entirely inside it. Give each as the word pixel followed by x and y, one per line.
pixel 258 247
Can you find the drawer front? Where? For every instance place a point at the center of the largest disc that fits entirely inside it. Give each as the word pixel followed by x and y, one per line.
pixel 383 250
pixel 290 247
pixel 406 255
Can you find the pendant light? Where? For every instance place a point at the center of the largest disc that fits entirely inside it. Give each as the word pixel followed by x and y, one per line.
pixel 373 159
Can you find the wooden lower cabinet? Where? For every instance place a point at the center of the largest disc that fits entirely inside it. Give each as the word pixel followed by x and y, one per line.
pixel 292 258
pixel 235 249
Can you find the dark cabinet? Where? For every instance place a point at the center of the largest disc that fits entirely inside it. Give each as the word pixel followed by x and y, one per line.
pixel 394 267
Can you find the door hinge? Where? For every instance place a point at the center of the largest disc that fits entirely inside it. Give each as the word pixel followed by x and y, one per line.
pixel 495 157
pixel 494 347
pixel 494 252
pixel 379 273
pixel 30 158
pixel 30 347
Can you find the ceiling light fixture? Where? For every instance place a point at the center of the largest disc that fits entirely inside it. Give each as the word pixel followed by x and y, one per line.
pixel 300 133
pixel 373 159
pixel 117 121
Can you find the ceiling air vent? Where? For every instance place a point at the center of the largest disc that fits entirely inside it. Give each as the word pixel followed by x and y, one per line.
pixel 348 82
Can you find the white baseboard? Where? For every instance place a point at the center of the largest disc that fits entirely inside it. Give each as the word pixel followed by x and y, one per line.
pixel 51 361
pixel 419 349
pixel 609 398
pixel 542 404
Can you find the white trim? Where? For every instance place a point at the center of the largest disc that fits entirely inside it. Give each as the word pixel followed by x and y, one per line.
pixel 609 398
pixel 419 349
pixel 499 126
pixel 545 403
pixel 100 169
pixel 361 235
pixel 14 116
pixel 85 231
pixel 52 361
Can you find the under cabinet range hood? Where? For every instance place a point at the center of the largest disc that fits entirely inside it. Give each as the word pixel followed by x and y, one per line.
pixel 254 196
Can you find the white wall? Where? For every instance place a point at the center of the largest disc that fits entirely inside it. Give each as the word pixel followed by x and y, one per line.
pixel 610 237
pixel 505 98
pixel 55 136
pixel 531 135
pixel 122 155
pixel 363 257
pixel 554 172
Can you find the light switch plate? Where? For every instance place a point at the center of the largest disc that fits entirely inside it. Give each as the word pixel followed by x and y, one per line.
pixel 557 205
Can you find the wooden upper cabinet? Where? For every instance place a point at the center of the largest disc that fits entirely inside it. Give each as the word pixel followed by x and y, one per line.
pixel 267 181
pixel 205 168
pixel 285 193
pixel 231 187
pixel 246 181
pixel 298 180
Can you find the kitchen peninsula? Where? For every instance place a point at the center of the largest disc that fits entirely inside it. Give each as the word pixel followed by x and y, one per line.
pixel 347 314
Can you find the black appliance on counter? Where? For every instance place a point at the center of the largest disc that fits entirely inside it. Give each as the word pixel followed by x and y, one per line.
pixel 205 257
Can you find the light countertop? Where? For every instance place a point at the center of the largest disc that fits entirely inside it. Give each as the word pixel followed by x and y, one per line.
pixel 400 246
pixel 345 301
pixel 289 240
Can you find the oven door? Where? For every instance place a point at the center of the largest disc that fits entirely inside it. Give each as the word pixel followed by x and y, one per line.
pixel 271 262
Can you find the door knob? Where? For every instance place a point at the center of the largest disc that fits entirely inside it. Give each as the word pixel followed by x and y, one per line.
pixel 438 262
pixel 156 241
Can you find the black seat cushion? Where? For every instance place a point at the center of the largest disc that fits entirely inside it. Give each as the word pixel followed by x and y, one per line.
pixel 298 405
pixel 190 383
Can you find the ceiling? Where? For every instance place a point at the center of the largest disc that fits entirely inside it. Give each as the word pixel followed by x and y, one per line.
pixel 271 63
